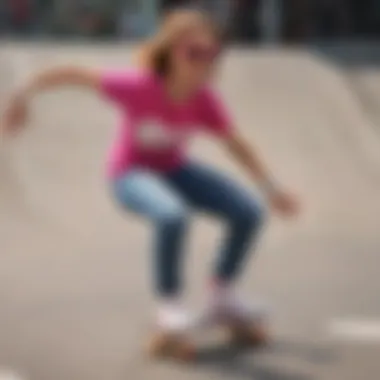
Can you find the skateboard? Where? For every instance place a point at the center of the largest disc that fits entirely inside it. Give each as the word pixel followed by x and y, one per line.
pixel 180 347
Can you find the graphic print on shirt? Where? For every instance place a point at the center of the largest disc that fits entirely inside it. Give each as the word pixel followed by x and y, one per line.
pixel 155 135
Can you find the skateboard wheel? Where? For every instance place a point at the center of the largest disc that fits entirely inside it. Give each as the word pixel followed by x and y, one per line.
pixel 177 347
pixel 253 335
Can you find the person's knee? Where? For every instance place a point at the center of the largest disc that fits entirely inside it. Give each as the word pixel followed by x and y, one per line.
pixel 250 214
pixel 173 216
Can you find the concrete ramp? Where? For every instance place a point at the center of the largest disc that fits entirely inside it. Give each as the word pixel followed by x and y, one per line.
pixel 309 123
pixel 74 271
pixel 366 83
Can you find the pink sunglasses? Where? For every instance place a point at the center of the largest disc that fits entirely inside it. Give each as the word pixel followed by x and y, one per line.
pixel 201 54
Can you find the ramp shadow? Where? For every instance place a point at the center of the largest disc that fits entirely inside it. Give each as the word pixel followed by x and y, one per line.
pixel 245 363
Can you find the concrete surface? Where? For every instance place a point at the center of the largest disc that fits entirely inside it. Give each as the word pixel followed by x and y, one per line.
pixel 74 272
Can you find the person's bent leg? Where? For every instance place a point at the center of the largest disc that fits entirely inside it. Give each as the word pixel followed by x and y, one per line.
pixel 149 195
pixel 215 193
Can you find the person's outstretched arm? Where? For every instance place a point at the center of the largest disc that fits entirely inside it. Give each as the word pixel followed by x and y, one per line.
pixel 218 121
pixel 16 112
pixel 117 86
pixel 61 76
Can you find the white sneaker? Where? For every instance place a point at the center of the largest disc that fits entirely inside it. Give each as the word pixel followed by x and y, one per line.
pixel 236 308
pixel 173 319
pixel 225 305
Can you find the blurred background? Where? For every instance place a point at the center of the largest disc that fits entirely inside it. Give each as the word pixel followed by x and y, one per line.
pixel 247 20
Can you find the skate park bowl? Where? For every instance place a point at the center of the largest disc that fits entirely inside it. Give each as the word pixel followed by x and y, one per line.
pixel 75 294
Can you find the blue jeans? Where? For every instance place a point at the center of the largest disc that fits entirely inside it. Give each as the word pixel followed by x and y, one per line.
pixel 167 199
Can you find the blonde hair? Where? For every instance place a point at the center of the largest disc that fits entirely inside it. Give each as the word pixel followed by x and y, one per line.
pixel 154 54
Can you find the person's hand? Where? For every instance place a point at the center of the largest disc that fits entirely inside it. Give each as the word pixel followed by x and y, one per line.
pixel 283 203
pixel 15 115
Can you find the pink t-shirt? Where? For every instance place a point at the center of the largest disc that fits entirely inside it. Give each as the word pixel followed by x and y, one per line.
pixel 154 130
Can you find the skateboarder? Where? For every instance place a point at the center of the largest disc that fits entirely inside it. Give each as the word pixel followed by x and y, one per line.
pixel 163 102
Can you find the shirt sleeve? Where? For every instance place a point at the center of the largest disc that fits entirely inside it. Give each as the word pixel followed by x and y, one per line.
pixel 214 115
pixel 118 86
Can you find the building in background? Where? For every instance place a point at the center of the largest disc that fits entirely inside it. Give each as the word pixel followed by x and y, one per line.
pixel 308 20
pixel 247 21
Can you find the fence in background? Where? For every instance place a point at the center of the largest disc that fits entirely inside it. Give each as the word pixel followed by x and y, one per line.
pixel 247 20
